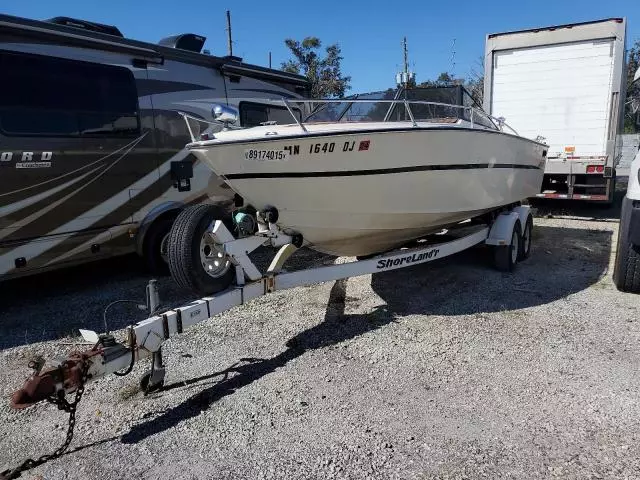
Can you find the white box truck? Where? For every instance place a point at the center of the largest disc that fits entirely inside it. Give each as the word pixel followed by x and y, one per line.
pixel 565 83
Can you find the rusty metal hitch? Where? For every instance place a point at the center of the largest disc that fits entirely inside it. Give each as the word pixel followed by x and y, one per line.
pixel 53 382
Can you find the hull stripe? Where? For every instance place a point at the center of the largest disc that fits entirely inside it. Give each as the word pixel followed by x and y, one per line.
pixel 379 171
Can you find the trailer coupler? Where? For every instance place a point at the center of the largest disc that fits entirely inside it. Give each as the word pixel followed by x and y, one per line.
pixel 57 381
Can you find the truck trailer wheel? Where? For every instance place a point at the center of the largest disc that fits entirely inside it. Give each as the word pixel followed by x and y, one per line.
pixel 195 261
pixel 505 257
pixel 626 270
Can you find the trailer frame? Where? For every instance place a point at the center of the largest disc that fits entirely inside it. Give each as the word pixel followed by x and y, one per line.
pixel 502 230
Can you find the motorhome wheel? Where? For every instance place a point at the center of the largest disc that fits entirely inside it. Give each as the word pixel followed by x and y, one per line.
pixel 156 246
pixel 196 262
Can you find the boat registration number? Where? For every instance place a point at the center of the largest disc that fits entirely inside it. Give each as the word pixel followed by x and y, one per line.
pixel 265 155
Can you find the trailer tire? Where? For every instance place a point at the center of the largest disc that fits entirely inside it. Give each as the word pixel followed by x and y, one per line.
pixel 505 257
pixel 185 256
pixel 626 270
pixel 155 251
pixel 525 244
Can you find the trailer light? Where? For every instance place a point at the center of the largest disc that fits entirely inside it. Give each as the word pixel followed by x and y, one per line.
pixel 591 169
pixel 600 168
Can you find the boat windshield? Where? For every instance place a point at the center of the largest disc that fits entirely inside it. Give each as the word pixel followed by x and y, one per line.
pixel 347 111
pixel 450 111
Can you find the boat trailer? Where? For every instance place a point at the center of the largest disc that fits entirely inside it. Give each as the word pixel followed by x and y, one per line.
pixel 508 232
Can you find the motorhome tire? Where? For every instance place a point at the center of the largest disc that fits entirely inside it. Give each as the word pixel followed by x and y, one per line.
pixel 187 246
pixel 626 270
pixel 525 244
pixel 156 244
pixel 506 256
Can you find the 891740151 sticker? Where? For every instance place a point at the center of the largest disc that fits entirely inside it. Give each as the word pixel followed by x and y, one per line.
pixel 257 155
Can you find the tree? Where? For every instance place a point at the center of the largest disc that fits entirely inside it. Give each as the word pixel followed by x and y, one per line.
pixel 324 74
pixel 445 79
pixel 475 82
pixel 633 90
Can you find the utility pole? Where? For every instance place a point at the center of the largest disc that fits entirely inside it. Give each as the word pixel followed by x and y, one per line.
pixel 404 78
pixel 453 58
pixel 269 59
pixel 229 43
pixel 406 62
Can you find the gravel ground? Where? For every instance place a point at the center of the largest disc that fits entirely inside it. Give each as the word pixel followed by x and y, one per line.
pixel 445 370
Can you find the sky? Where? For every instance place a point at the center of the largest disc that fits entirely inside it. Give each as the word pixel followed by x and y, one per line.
pixel 441 35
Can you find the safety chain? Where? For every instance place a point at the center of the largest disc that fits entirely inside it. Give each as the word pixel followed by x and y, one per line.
pixel 62 404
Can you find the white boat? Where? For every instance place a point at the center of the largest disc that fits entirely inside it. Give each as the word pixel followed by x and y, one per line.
pixel 355 187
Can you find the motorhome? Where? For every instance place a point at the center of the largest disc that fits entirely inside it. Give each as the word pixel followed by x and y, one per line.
pixel 91 138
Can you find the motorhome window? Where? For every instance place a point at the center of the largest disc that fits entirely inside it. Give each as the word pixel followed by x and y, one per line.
pixel 48 96
pixel 254 114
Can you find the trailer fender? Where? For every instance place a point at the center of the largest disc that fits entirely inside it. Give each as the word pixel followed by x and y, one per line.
pixel 155 213
pixel 523 212
pixel 502 228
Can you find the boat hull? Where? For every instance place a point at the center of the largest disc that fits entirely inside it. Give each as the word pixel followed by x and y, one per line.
pixel 373 191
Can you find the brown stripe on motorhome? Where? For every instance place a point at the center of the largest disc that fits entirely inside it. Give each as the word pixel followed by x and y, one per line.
pixel 14 219
pixel 93 193
pixel 109 248
pixel 14 188
pixel 115 218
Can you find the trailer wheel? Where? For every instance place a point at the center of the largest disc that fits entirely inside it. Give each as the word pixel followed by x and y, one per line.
pixel 525 244
pixel 146 387
pixel 156 244
pixel 506 256
pixel 195 262
pixel 626 270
